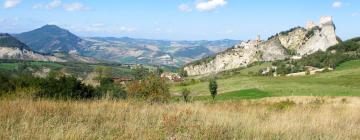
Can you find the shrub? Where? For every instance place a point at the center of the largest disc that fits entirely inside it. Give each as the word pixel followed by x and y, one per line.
pixel 65 88
pixel 185 93
pixel 6 85
pixel 283 105
pixel 153 89
pixel 141 73
pixel 103 72
pixel 213 88
pixel 111 90
pixel 182 72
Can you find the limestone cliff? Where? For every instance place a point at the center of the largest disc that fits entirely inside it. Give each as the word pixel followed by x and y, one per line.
pixel 16 53
pixel 294 42
pixel 11 48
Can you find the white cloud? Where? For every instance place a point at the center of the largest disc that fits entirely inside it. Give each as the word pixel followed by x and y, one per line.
pixel 98 25
pixel 355 14
pixel 337 4
pixel 76 6
pixel 127 29
pixel 11 3
pixel 210 5
pixel 100 28
pixel 185 8
pixel 51 5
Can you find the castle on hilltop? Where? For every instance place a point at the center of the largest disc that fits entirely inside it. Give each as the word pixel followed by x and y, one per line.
pixel 324 20
pixel 250 43
pixel 324 23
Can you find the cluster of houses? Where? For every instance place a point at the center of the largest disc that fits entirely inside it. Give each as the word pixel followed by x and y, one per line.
pixel 172 77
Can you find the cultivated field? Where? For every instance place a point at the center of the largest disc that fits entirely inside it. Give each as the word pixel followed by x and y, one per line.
pixel 270 118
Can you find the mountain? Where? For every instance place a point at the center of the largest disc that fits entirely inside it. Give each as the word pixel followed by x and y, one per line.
pixel 53 39
pixel 146 51
pixel 294 43
pixel 50 39
pixel 11 48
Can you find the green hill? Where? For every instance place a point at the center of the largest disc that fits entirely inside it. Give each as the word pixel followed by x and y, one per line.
pixel 50 39
pixel 7 40
pixel 341 82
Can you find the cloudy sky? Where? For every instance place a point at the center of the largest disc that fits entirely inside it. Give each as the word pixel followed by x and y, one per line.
pixel 178 19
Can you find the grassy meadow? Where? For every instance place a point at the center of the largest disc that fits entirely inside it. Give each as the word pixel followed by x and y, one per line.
pixel 344 81
pixel 300 118
pixel 322 106
pixel 77 69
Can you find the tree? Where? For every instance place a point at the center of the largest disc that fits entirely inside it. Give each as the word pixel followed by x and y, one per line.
pixel 183 73
pixel 153 89
pixel 159 70
pixel 6 84
pixel 65 88
pixel 213 88
pixel 103 72
pixel 141 73
pixel 111 90
pixel 185 93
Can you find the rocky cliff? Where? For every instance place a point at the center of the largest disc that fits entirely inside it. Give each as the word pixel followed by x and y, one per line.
pixel 297 41
pixel 11 48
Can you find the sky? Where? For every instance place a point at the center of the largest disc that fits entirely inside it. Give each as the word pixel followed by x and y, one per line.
pixel 178 19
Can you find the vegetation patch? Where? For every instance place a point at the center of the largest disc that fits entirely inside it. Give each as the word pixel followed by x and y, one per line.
pixel 332 58
pixel 283 105
pixel 236 95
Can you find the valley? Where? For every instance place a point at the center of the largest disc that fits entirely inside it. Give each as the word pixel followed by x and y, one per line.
pixel 51 39
pixel 179 70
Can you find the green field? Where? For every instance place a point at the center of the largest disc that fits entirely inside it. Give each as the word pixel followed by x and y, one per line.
pixel 344 81
pixel 76 69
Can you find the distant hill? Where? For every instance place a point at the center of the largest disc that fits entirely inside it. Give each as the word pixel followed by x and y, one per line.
pixel 147 51
pixel 6 40
pixel 11 48
pixel 50 39
pixel 53 39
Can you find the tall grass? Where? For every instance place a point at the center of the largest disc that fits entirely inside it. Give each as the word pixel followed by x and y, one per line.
pixel 287 118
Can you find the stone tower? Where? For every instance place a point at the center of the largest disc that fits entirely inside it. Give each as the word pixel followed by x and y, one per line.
pixel 258 39
pixel 326 20
pixel 310 25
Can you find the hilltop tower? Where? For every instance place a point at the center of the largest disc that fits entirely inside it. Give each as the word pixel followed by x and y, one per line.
pixel 258 39
pixel 326 20
pixel 310 25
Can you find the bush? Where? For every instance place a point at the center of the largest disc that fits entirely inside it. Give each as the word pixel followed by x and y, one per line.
pixel 65 88
pixel 141 72
pixel 6 84
pixel 283 105
pixel 213 88
pixel 153 89
pixel 185 93
pixel 182 72
pixel 111 90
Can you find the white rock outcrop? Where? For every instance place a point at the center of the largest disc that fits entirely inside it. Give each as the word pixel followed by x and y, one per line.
pixel 322 38
pixel 295 42
pixel 16 53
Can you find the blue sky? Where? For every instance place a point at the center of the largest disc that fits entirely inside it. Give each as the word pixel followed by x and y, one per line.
pixel 178 19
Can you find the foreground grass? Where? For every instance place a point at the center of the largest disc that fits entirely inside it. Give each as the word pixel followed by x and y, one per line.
pixel 293 118
pixel 341 82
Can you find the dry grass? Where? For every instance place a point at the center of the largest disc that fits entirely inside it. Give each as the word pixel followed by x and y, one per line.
pixel 273 118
